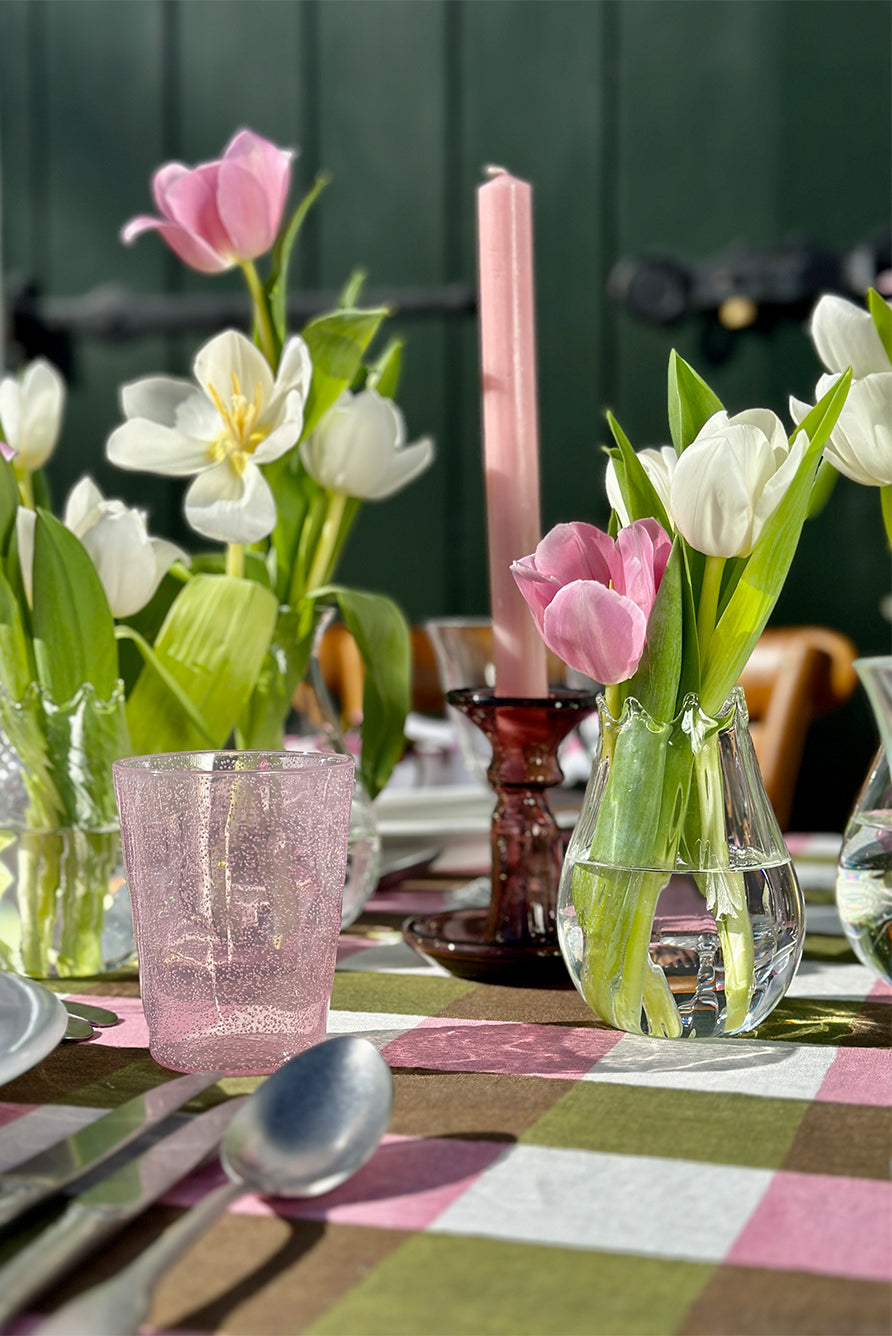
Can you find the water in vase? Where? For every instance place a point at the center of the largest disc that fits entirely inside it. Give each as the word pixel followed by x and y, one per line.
pixel 688 947
pixel 864 889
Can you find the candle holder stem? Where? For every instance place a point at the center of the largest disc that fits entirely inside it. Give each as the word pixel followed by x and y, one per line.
pixel 513 941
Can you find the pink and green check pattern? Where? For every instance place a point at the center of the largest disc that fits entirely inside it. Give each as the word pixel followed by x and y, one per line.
pixel 542 1173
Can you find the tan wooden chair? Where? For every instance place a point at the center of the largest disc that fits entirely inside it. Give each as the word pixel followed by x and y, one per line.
pixel 794 675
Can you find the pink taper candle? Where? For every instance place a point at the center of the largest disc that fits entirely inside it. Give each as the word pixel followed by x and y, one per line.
pixel 510 423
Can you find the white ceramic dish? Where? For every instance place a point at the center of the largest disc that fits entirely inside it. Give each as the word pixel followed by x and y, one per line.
pixel 32 1022
pixel 454 809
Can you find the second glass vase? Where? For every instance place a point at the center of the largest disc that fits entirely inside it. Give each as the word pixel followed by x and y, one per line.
pixel 314 725
pixel 679 913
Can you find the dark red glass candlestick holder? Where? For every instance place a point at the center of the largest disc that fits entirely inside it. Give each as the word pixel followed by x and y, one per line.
pixel 513 941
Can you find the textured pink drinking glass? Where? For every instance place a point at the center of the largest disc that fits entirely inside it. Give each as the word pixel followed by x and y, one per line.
pixel 235 863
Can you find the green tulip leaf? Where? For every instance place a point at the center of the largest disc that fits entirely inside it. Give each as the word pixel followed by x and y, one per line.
pixel 825 481
pixel 337 343
pixel 349 294
pixel 9 503
pixel 74 632
pixel 276 285
pixel 655 683
pixel 381 632
pixel 691 402
pixel 882 317
pixel 17 668
pixel 261 724
pixel 638 492
pixel 213 643
pixel 384 373
pixel 886 506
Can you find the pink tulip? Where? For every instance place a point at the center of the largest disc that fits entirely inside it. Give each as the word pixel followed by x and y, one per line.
pixel 7 451
pixel 591 597
pixel 220 213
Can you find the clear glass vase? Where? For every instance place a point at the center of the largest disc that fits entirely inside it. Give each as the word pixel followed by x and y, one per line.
pixel 64 906
pixel 314 724
pixel 679 913
pixel 864 876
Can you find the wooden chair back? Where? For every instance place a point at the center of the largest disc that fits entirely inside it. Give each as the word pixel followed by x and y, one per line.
pixel 794 675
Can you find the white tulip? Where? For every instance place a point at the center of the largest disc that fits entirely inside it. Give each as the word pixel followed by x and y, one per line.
pixel 240 417
pixel 31 409
pixel 845 336
pixel 129 563
pixel 730 480
pixel 358 449
pixel 860 444
pixel 658 464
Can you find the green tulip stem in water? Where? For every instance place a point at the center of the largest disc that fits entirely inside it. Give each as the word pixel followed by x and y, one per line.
pixel 662 810
pixel 616 893
pixel 723 887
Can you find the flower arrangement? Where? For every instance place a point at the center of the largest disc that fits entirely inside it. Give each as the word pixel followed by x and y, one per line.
pixel 283 435
pixel 665 609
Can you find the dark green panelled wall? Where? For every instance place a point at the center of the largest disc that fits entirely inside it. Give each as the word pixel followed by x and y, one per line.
pixel 680 126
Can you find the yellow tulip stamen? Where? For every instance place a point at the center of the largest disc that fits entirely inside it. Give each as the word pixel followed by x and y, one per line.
pixel 240 437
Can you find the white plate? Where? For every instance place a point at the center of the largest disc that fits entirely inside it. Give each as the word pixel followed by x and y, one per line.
pixel 455 809
pixel 32 1021
pixel 433 812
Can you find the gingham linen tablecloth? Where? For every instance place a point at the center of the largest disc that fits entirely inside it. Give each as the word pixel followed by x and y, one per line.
pixel 542 1174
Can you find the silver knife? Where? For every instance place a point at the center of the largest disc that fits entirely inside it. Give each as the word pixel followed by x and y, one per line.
pixel 105 1207
pixel 24 1185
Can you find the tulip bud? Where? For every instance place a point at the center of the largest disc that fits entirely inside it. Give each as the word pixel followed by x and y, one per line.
pixel 358 448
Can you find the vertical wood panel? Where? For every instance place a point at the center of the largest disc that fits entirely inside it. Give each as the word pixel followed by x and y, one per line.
pixel 239 68
pixel 22 75
pixel 103 78
pixel 534 106
pixel 381 135
pixel 698 169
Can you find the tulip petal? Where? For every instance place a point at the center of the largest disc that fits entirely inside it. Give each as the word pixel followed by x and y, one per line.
pixel 148 447
pixel 119 549
pixel 231 355
pixel 404 467
pixel 283 437
pixel 595 630
pixel 190 201
pixel 710 502
pixel 25 522
pixel 537 589
pixel 82 506
pixel 844 335
pixel 157 397
pixel 576 551
pixel 860 445
pixel 643 549
pixel 188 247
pixel 294 374
pixel 163 180
pixel 231 509
pixel 31 412
pixel 253 185
pixel 270 165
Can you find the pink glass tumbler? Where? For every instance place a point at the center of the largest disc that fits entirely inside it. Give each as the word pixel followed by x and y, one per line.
pixel 235 863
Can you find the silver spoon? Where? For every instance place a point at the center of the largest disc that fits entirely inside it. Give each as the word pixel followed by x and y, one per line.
pixel 305 1130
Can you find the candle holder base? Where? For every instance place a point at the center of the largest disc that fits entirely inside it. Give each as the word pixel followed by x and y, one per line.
pixel 514 941
pixel 460 942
